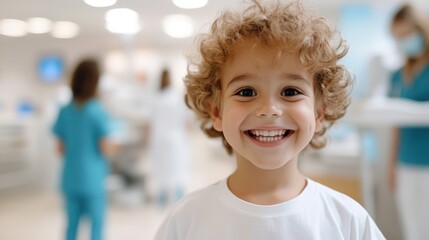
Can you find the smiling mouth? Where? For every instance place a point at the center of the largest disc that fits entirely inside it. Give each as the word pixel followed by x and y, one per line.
pixel 269 135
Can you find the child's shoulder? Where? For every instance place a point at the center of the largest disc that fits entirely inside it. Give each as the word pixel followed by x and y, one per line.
pixel 197 199
pixel 339 202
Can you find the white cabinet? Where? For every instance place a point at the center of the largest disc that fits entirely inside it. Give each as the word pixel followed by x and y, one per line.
pixel 17 153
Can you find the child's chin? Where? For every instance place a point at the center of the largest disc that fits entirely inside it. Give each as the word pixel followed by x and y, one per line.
pixel 269 165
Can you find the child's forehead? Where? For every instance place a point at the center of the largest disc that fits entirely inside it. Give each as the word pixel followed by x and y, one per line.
pixel 257 47
pixel 253 59
pixel 255 44
pixel 255 53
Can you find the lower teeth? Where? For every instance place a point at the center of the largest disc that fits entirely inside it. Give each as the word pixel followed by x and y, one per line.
pixel 268 139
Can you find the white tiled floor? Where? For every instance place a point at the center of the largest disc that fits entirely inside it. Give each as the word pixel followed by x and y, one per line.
pixel 38 214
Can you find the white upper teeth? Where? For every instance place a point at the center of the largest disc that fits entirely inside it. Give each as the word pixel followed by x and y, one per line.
pixel 266 133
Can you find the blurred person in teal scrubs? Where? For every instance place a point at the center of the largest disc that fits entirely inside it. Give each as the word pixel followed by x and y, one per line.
pixel 82 131
pixel 409 162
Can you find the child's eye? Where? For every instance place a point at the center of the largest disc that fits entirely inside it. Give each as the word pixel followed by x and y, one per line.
pixel 246 92
pixel 289 92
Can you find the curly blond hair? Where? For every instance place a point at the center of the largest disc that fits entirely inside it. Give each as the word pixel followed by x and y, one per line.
pixel 318 45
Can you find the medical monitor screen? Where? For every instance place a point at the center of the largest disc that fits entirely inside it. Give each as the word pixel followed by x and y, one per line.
pixel 50 68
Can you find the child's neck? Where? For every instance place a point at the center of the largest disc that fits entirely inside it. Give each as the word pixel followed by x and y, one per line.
pixel 266 187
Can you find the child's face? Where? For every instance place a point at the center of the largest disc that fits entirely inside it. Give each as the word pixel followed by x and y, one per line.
pixel 267 111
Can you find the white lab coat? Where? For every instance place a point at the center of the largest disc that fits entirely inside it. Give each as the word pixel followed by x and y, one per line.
pixel 168 138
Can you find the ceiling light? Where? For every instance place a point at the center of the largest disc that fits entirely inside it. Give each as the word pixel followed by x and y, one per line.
pixel 100 3
pixel 178 26
pixel 122 20
pixel 64 29
pixel 13 27
pixel 39 25
pixel 190 4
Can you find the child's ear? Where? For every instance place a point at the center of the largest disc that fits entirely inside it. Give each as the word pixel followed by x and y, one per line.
pixel 216 117
pixel 320 116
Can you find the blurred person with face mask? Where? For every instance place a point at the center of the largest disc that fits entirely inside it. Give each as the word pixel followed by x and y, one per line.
pixel 408 170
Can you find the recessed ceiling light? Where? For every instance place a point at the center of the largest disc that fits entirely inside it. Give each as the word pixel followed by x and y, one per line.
pixel 178 26
pixel 122 20
pixel 13 27
pixel 100 3
pixel 39 25
pixel 188 4
pixel 65 29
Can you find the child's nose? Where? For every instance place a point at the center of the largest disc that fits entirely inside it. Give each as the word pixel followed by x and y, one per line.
pixel 269 108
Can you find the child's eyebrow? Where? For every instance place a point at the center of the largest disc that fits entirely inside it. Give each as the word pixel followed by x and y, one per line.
pixel 285 76
pixel 238 78
pixel 296 77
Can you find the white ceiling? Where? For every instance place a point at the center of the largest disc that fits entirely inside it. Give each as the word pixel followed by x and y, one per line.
pixel 91 20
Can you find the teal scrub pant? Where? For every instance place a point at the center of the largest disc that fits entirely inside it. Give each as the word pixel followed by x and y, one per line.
pixel 91 205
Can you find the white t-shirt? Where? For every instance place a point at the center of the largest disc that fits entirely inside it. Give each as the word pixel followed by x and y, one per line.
pixel 215 213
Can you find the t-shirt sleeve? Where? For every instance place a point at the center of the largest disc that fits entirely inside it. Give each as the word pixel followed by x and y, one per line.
pixel 175 225
pixel 167 230
pixel 58 127
pixel 371 231
pixel 364 228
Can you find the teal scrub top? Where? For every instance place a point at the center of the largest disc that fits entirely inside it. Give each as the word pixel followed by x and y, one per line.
pixel 414 141
pixel 80 128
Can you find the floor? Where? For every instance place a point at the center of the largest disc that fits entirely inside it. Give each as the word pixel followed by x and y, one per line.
pixel 38 214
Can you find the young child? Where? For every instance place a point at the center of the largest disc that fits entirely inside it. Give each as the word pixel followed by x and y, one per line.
pixel 267 81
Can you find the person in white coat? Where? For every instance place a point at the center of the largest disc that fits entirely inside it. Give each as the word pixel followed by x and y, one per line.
pixel 168 142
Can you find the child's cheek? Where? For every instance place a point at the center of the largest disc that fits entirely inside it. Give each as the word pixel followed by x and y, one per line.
pixel 306 115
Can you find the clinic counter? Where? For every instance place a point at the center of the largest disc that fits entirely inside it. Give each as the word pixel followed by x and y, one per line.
pixel 388 112
pixel 378 113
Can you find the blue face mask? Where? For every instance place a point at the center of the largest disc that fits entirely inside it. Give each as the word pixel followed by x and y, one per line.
pixel 412 46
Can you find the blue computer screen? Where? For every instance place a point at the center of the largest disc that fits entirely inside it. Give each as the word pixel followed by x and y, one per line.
pixel 50 68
